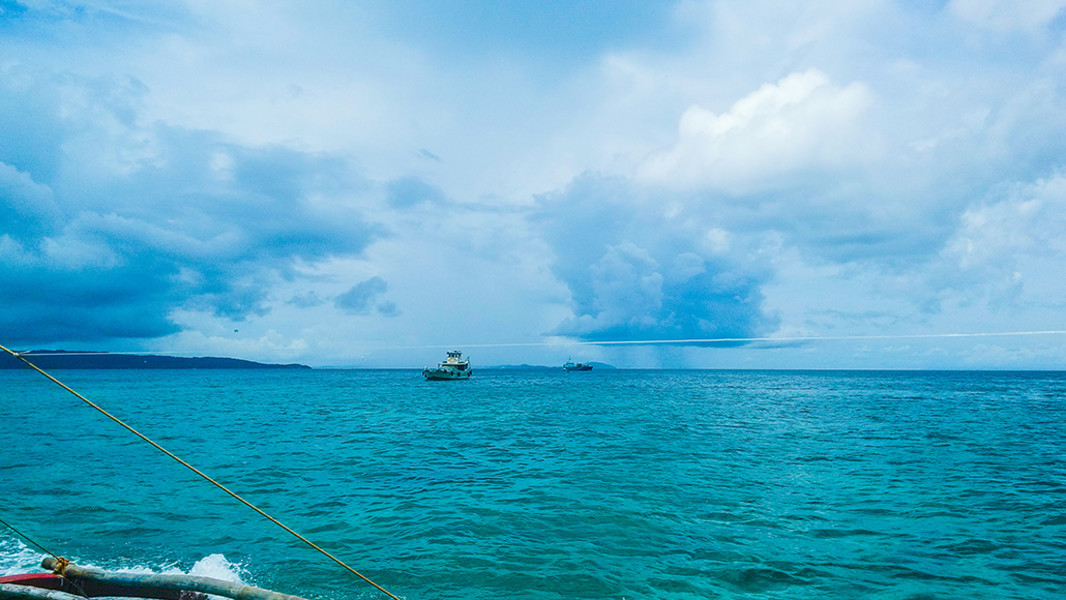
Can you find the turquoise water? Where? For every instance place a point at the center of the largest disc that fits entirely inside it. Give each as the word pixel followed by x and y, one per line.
pixel 543 485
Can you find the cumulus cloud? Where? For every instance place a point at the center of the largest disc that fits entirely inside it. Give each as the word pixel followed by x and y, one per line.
pixel 802 122
pixel 641 268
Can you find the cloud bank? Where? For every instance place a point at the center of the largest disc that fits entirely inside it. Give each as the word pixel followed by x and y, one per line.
pixel 357 182
pixel 125 222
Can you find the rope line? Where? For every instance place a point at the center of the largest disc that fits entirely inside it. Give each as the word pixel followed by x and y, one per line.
pixel 33 542
pixel 198 472
pixel 61 562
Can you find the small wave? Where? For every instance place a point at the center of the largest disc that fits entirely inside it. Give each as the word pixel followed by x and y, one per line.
pixel 842 533
pixel 213 565
pixel 16 557
pixel 1054 520
pixel 972 546
pixel 760 579
pixel 1037 579
pixel 216 566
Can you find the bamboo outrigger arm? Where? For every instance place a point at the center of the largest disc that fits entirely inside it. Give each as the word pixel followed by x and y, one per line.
pixel 136 585
pixel 14 591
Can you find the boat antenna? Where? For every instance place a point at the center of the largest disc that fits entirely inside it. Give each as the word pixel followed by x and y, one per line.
pixel 19 356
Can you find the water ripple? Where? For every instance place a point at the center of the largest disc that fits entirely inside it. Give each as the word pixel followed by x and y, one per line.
pixel 539 485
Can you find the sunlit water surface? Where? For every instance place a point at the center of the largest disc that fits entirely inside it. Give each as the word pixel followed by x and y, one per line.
pixel 544 485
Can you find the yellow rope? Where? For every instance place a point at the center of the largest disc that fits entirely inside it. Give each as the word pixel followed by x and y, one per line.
pixel 61 566
pixel 198 472
pixel 59 559
pixel 61 562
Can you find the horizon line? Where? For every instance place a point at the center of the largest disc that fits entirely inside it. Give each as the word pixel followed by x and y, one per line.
pixel 685 341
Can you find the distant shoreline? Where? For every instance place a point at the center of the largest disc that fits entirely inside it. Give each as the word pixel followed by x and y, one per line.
pixel 65 359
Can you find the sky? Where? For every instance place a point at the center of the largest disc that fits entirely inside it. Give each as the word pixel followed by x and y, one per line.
pixel 822 184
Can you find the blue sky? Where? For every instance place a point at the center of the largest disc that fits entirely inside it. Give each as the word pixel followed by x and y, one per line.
pixel 367 183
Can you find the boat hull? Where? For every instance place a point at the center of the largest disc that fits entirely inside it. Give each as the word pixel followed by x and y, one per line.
pixel 446 374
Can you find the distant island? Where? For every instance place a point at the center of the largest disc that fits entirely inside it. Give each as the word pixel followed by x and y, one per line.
pixel 67 359
pixel 526 367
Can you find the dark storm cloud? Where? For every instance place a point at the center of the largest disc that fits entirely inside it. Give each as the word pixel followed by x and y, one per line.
pixel 364 297
pixel 121 233
pixel 636 272
pixel 32 129
pixel 307 300
pixel 41 303
pixel 424 153
pixel 28 208
pixel 409 191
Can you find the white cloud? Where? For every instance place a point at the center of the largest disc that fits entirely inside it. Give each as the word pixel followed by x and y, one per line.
pixel 1008 15
pixel 1013 249
pixel 717 241
pixel 822 167
pixel 802 122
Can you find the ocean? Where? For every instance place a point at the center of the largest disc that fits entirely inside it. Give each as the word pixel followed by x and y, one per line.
pixel 549 485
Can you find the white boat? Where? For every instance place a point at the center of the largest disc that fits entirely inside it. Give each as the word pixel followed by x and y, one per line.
pixel 453 367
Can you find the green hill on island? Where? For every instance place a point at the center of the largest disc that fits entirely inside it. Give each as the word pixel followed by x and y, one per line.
pixel 63 359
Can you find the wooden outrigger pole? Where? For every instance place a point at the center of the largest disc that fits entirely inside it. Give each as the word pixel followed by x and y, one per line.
pixel 77 583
